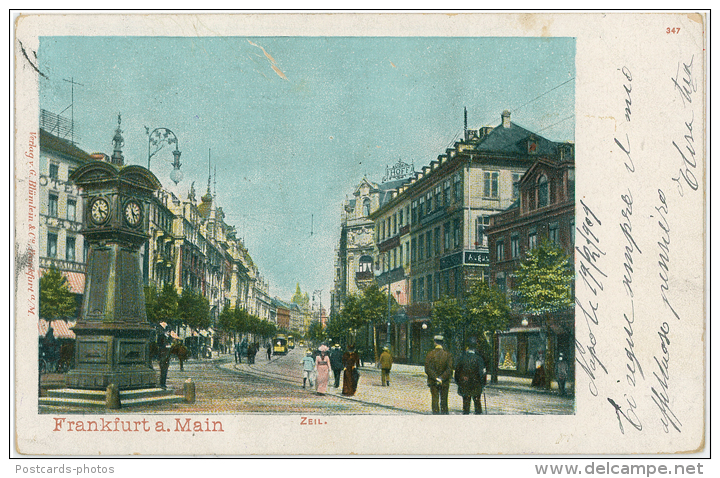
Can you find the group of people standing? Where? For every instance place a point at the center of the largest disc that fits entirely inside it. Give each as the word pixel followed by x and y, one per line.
pixel 342 364
pixel 470 376
pixel 249 350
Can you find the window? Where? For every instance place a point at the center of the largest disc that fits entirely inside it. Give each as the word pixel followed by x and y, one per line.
pixel 421 204
pixel 532 240
pixel 394 261
pixel 448 236
pixel 70 249
pixel 429 199
pixel 365 264
pixel 413 251
pixel 86 251
pixel 490 180
pixel 500 280
pixel 71 205
pixel 516 185
pixel 446 193
pixel 366 207
pixel 400 219
pixel 414 290
pixel 407 251
pixel 400 263
pixel 438 197
pixel 421 247
pixel 458 233
pixel 52 244
pixel 54 171
pixel 421 289
pixel 437 240
pixel 500 251
pixel 414 212
pixel 394 223
pixel 457 188
pixel 542 191
pixel 514 245
pixel 481 239
pixel 428 241
pixel 553 233
pixel 53 205
pixel 429 288
pixel 571 184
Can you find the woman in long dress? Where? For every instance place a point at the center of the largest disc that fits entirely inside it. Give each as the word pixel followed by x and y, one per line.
pixel 322 366
pixel 351 361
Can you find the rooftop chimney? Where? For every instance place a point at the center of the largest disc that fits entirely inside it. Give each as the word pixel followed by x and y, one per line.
pixel 506 119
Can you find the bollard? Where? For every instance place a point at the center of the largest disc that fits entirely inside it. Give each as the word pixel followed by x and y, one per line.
pixel 189 387
pixel 112 397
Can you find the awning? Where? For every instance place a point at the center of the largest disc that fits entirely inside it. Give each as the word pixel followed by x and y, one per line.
pixel 75 280
pixel 61 329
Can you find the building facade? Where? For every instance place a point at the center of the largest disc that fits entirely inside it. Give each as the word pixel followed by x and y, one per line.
pixel 432 236
pixel 61 210
pixel 545 212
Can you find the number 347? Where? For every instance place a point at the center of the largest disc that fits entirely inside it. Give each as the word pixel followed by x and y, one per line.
pixel 672 30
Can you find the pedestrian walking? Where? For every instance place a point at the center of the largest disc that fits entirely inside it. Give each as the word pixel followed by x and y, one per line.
pixel 562 374
pixel 251 351
pixel 268 349
pixel 238 355
pixel 163 356
pixel 439 368
pixel 243 349
pixel 308 367
pixel 351 375
pixel 386 361
pixel 322 366
pixel 336 363
pixel 539 377
pixel 470 376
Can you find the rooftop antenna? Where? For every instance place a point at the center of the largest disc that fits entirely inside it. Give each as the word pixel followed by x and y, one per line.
pixel 215 182
pixel 209 172
pixel 72 106
pixel 312 217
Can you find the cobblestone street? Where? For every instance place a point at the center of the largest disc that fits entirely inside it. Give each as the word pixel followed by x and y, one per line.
pixel 275 387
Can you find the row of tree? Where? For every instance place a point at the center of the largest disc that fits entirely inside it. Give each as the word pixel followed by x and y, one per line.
pixel 236 320
pixel 542 286
pixel 190 308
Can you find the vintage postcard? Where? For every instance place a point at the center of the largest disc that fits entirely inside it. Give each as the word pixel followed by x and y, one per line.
pixel 242 234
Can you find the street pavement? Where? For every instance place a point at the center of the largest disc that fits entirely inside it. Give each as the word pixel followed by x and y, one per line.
pixel 275 387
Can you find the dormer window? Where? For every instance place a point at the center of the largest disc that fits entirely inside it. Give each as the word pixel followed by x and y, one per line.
pixel 366 207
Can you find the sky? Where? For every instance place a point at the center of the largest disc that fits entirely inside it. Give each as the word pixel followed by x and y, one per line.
pixel 292 124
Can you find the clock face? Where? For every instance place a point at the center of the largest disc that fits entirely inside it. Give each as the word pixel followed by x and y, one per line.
pixel 133 213
pixel 99 211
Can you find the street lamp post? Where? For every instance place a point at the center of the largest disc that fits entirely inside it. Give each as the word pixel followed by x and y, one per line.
pixel 156 140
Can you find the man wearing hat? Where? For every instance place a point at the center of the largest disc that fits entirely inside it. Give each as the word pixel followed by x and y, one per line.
pixel 470 376
pixel 336 363
pixel 386 361
pixel 439 368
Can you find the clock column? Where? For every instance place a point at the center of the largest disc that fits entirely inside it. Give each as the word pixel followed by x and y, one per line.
pixel 113 333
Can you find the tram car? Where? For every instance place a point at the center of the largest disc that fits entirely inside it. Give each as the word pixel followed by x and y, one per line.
pixel 291 342
pixel 280 345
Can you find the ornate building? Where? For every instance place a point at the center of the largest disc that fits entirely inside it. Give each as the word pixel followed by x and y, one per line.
pixel 431 234
pixel 545 211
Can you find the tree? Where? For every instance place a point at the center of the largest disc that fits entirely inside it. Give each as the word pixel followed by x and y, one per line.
pixel 544 286
pixel 56 300
pixel 487 308
pixel 449 318
pixel 166 305
pixel 315 332
pixel 194 309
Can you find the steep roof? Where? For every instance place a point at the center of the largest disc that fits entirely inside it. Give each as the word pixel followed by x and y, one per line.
pixel 512 140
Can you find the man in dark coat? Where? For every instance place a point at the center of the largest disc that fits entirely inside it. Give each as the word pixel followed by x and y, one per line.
pixel 439 368
pixel 470 376
pixel 336 363
pixel 163 356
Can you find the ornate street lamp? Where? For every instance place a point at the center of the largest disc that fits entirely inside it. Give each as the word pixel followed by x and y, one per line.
pixel 157 139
